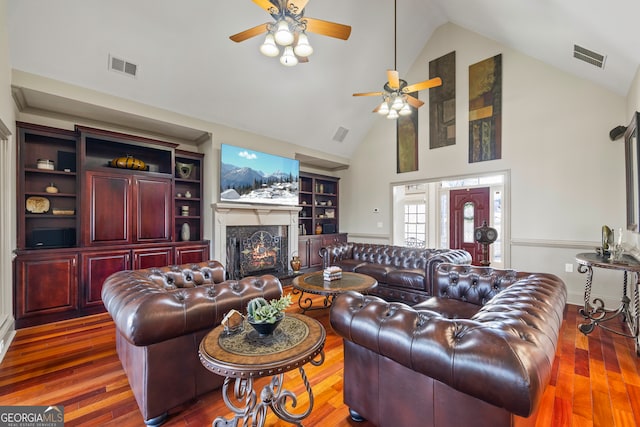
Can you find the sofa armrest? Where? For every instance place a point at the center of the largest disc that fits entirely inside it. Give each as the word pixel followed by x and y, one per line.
pixel 438 256
pixel 332 253
pixel 502 355
pixel 147 311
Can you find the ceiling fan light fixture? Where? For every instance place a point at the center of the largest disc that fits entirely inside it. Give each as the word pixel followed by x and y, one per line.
pixel 393 114
pixel 397 103
pixel 269 47
pixel 405 110
pixel 288 58
pixel 283 36
pixel 303 48
pixel 383 110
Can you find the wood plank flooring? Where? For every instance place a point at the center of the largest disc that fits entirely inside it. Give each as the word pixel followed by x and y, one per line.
pixel 596 379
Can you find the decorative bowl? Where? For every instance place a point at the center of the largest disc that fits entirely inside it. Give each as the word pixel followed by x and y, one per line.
pixel 265 329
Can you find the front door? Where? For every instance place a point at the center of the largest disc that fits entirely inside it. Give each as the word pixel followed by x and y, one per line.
pixel 467 210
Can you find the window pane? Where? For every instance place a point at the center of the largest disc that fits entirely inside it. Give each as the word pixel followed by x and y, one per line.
pixel 415 224
pixel 468 222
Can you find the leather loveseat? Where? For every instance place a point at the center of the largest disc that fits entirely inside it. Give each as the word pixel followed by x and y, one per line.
pixel 404 274
pixel 478 353
pixel 161 315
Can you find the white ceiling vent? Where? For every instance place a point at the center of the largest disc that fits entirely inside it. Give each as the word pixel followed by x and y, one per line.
pixel 122 66
pixel 588 56
pixel 341 133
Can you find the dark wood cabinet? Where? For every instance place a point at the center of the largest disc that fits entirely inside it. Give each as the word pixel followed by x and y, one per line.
pixel 81 218
pixel 125 209
pixel 309 248
pixel 191 254
pixel 96 267
pixel 152 257
pixel 48 286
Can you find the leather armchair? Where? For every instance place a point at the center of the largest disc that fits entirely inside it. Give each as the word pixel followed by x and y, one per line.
pixel 161 315
pixel 480 352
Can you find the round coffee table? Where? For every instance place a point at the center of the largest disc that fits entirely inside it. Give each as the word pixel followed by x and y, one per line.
pixel 314 283
pixel 245 355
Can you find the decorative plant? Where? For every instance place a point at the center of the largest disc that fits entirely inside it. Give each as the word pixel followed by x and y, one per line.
pixel 261 311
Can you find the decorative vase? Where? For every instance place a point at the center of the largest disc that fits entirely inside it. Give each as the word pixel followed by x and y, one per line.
pixel 184 169
pixel 319 229
pixel 52 189
pixel 185 232
pixel 128 162
pixel 265 329
pixel 295 263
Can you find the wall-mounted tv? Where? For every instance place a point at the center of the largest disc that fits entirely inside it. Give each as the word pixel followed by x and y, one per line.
pixel 249 176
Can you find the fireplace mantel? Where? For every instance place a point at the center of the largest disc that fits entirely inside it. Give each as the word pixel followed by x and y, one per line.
pixel 232 214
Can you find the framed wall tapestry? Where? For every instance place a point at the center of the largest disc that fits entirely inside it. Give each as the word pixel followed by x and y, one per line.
pixel 407 140
pixel 485 110
pixel 442 102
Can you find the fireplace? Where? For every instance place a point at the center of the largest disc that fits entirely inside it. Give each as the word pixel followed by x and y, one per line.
pixel 255 250
pixel 254 239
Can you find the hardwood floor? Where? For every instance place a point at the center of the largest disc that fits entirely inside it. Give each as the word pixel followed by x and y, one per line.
pixel 596 379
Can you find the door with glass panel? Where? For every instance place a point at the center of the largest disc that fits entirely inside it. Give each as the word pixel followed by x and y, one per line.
pixel 468 208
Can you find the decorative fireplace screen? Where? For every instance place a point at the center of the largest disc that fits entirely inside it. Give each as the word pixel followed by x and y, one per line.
pixel 251 251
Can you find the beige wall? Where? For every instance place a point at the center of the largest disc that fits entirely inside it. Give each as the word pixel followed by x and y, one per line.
pixel 7 187
pixel 567 177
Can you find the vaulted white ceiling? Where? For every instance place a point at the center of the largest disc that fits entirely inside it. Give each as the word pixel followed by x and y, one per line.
pixel 187 64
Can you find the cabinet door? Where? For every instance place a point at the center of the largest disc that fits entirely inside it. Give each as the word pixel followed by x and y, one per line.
pixel 152 257
pixel 153 205
pixel 315 244
pixel 96 267
pixel 108 214
pixel 303 251
pixel 45 285
pixel 192 254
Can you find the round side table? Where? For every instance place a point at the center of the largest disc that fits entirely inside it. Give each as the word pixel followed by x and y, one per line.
pixel 243 356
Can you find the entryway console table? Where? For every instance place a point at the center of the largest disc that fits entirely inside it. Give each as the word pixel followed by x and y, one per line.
pixel 594 311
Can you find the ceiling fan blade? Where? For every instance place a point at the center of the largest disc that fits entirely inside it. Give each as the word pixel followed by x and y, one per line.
pixel 394 79
pixel 375 110
pixel 268 6
pixel 414 102
pixel 435 82
pixel 296 6
pixel 326 28
pixel 302 59
pixel 247 34
pixel 368 94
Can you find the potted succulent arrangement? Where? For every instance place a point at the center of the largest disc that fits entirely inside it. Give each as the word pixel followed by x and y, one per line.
pixel 265 315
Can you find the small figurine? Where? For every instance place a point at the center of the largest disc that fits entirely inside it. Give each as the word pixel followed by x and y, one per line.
pixel 233 322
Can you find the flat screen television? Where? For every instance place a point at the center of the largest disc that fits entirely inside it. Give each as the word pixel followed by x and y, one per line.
pixel 249 176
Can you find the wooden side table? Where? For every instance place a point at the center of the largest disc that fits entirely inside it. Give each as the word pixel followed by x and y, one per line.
pixel 595 313
pixel 244 356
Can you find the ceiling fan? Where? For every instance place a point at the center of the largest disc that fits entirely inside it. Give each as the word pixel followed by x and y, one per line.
pixel 396 98
pixel 289 30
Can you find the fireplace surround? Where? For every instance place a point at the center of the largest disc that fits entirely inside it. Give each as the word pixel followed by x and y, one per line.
pixel 268 221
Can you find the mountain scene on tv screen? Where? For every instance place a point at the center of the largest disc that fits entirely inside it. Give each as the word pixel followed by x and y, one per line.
pixel 245 184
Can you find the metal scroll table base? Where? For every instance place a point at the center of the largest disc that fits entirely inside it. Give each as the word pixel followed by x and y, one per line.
pixel 596 315
pixel 273 395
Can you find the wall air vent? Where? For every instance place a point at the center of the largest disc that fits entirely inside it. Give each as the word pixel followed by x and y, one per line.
pixel 588 56
pixel 122 66
pixel 341 133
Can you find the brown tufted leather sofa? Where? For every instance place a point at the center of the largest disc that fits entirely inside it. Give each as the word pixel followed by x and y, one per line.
pixel 404 274
pixel 479 353
pixel 161 315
